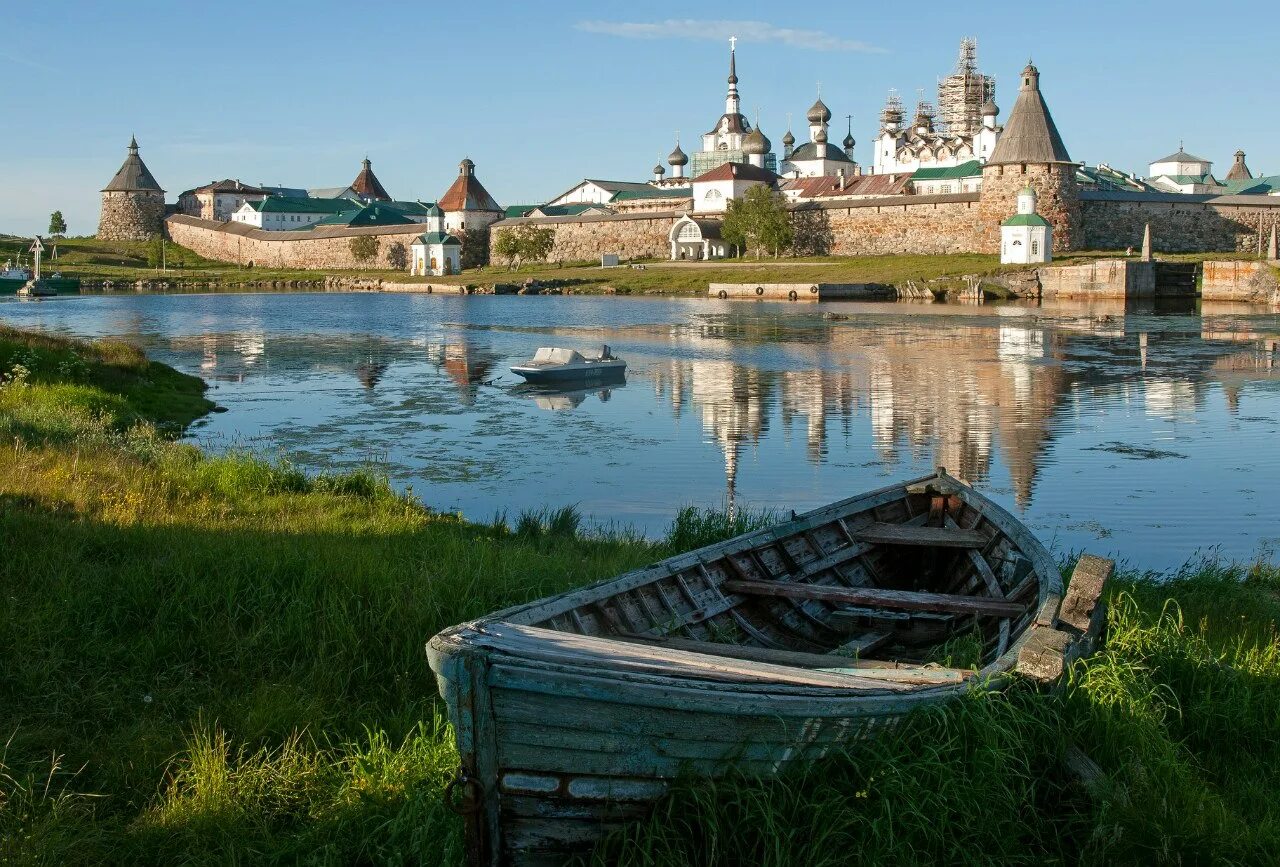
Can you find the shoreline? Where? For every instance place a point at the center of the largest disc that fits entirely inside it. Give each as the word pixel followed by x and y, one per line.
pixel 224 656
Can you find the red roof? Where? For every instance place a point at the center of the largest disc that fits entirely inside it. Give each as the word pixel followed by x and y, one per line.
pixel 737 172
pixel 859 185
pixel 367 186
pixel 466 193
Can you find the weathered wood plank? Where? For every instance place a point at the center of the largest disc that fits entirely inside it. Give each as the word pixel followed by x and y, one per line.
pixel 532 642
pixel 903 534
pixel 898 599
pixel 883 669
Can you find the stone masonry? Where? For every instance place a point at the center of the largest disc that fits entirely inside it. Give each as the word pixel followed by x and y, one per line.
pixel 1057 200
pixel 131 216
pixel 585 239
pixel 321 249
pixel 1179 223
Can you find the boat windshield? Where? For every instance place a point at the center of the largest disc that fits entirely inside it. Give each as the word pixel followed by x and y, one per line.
pixel 550 355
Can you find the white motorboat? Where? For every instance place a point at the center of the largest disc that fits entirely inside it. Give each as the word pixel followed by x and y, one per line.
pixel 554 365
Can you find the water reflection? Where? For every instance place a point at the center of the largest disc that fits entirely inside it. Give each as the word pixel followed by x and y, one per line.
pixel 558 399
pixel 1081 417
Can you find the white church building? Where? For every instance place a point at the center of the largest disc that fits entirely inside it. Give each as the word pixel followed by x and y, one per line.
pixel 1026 238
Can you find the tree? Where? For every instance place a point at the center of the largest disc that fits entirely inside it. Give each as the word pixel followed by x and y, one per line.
pixel 537 242
pixel 57 225
pixel 155 251
pixel 364 247
pixel 524 242
pixel 398 256
pixel 507 246
pixel 757 221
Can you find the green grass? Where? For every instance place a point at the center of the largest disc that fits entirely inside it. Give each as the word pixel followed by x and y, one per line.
pixel 685 278
pixel 221 660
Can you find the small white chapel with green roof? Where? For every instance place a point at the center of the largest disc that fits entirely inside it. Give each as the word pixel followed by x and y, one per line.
pixel 1026 238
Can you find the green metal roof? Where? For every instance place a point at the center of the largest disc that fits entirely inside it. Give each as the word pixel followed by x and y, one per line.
pixel 1192 179
pixel 417 209
pixel 568 210
pixel 437 238
pixel 514 211
pixel 295 205
pixel 1253 186
pixel 376 214
pixel 1026 220
pixel 653 193
pixel 971 169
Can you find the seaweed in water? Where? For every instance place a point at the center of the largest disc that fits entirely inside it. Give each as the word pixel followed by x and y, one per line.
pixel 1136 452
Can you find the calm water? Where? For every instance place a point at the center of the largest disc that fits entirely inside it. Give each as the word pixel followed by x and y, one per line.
pixel 1149 436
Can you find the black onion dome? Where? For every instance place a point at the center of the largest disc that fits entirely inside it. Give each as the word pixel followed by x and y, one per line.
pixel 678 157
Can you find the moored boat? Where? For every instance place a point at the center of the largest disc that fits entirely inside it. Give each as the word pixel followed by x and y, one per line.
pixel 573 713
pixel 554 365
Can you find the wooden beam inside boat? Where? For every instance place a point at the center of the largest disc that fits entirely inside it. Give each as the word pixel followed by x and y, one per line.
pixel 877 668
pixel 902 534
pixel 905 600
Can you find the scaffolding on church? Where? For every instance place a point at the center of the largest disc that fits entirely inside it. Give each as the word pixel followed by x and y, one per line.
pixel 702 162
pixel 962 93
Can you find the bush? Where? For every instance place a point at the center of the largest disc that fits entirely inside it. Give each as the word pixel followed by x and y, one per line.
pixel 364 247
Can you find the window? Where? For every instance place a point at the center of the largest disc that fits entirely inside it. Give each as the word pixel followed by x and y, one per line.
pixel 689 232
pixel 1035 248
pixel 713 194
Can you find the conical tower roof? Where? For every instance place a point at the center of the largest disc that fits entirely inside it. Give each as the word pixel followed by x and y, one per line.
pixel 467 193
pixel 1030 135
pixel 134 176
pixel 1239 171
pixel 367 185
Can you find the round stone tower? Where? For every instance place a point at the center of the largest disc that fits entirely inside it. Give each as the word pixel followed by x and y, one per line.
pixel 1030 153
pixel 133 203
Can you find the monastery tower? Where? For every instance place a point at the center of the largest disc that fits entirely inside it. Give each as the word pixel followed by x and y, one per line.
pixel 132 203
pixel 1030 153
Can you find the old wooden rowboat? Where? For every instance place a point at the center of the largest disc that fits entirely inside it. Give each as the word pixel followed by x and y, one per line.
pixel 574 712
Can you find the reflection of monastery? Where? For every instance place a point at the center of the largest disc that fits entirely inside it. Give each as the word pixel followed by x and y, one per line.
pixel 954 396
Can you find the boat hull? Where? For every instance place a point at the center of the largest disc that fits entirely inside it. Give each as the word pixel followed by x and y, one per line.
pixel 574 713
pixel 591 372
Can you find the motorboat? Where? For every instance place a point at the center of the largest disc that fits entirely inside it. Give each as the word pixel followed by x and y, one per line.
pixel 554 365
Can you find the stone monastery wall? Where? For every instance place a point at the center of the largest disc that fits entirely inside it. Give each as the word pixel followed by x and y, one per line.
pixel 319 249
pixel 586 239
pixel 902 224
pixel 1179 223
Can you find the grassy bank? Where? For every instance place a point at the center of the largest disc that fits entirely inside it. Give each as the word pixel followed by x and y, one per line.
pixel 214 660
pixel 127 262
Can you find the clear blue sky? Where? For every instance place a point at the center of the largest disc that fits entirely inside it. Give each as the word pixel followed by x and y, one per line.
pixel 543 94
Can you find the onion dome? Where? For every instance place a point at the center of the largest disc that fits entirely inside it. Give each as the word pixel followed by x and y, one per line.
pixel 678 157
pixel 891 114
pixel 848 141
pixel 818 112
pixel 989 108
pixel 756 142
pixel 821 137
pixel 659 170
pixel 788 139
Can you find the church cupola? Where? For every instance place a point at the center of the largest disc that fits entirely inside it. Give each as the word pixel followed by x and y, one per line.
pixel 755 146
pixel 1026 201
pixel 849 142
pixel 788 144
pixel 658 172
pixel 731 102
pixel 818 116
pixel 989 112
pixel 678 159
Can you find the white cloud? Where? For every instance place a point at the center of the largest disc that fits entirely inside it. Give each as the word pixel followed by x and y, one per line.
pixel 746 31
